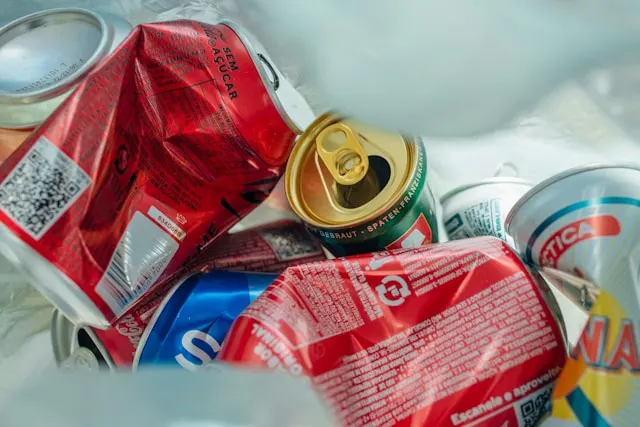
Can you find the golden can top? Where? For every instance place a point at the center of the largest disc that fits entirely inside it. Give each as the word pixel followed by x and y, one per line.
pixel 342 172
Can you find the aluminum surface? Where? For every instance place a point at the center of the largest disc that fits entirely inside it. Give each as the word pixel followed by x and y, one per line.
pixel 49 52
pixel 63 337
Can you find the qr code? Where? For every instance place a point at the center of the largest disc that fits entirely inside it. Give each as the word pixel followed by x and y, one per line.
pixel 533 408
pixel 41 188
pixel 290 242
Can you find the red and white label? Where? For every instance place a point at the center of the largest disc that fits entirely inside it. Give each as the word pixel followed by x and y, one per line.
pixel 161 149
pixel 121 341
pixel 446 335
pixel 268 249
pixel 416 236
pixel 576 232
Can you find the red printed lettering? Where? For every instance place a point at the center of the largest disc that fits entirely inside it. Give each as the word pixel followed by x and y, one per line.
pixel 592 346
pixel 576 232
pixel 625 353
pixel 592 341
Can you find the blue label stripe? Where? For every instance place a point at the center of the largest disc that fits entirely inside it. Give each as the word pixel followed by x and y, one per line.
pixel 572 208
pixel 584 410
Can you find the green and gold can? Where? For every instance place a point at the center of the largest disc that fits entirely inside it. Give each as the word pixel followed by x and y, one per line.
pixel 360 189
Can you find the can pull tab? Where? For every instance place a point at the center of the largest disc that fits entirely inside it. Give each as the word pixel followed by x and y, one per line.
pixel 506 169
pixel 341 152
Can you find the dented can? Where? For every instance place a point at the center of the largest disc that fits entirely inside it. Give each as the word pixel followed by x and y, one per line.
pixel 49 53
pixel 586 222
pixel 451 334
pixel 359 189
pixel 581 222
pixel 480 209
pixel 190 325
pixel 160 150
pixel 114 347
pixel 118 344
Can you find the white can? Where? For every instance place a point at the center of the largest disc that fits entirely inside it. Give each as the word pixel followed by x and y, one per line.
pixel 45 55
pixel 586 222
pixel 480 209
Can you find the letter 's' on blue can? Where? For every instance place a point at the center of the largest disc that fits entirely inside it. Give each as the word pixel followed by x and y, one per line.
pixel 190 325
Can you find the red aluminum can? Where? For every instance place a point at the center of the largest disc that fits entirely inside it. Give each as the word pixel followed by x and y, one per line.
pixel 269 248
pixel 266 249
pixel 118 344
pixel 161 149
pixel 451 334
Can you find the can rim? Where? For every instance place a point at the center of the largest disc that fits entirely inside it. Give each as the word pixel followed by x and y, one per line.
pixel 99 345
pixel 63 337
pixel 25 24
pixel 559 177
pixel 147 330
pixel 488 181
pixel 259 60
pixel 302 147
pixel 19 125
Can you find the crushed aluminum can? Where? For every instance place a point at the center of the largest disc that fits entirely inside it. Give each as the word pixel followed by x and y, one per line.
pixel 192 322
pixel 480 209
pixel 269 248
pixel 50 52
pixel 360 189
pixel 585 222
pixel 162 148
pixel 451 334
pixel 118 344
pixel 114 347
pixel 580 222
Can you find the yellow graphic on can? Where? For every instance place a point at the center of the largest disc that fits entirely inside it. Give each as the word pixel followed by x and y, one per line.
pixel 598 386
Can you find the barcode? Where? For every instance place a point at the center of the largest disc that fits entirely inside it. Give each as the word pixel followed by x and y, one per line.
pixel 290 242
pixel 41 188
pixel 142 254
pixel 534 407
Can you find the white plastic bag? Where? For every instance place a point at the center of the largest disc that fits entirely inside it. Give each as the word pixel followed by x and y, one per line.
pixel 441 67
pixel 166 398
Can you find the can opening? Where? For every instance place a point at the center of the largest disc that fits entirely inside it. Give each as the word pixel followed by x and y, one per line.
pixel 84 340
pixel 360 193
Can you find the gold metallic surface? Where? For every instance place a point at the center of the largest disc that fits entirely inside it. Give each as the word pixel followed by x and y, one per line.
pixel 319 200
pixel 342 154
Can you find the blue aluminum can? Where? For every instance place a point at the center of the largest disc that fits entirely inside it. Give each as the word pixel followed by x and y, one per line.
pixel 189 326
